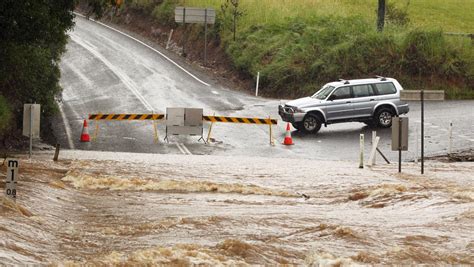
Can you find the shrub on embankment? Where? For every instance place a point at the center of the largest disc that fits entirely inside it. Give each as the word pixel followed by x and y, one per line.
pixel 298 56
pixel 5 114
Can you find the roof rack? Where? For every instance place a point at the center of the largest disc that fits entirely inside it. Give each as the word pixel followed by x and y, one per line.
pixel 381 78
pixel 344 81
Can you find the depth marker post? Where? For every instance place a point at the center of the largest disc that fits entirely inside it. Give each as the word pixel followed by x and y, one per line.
pixel 12 177
pixel 361 159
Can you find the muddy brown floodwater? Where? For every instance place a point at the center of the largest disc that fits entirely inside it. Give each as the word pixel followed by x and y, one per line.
pixel 135 209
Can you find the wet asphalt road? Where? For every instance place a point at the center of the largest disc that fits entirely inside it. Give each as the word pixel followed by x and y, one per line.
pixel 106 72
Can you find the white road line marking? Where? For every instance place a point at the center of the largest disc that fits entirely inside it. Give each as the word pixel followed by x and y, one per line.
pixel 161 54
pixel 122 76
pixel 186 149
pixel 79 74
pixel 215 92
pixel 67 127
pixel 179 147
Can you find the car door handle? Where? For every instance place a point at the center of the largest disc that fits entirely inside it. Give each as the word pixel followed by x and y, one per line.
pixel 372 99
pixel 348 102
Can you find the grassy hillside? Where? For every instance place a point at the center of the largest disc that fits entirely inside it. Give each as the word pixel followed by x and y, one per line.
pixel 448 15
pixel 299 45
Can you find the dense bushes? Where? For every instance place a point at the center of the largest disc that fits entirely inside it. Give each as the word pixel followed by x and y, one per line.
pixel 298 56
pixel 33 37
pixel 5 114
pixel 164 13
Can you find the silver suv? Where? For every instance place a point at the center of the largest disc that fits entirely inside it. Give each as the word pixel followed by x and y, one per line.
pixel 371 101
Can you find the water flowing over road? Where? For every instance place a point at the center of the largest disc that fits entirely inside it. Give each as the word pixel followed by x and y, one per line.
pixel 130 209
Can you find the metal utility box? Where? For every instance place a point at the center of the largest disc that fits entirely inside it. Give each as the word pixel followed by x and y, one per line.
pixel 399 133
pixel 184 121
pixel 31 119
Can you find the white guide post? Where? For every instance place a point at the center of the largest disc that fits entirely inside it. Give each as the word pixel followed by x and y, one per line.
pixel 374 137
pixel 416 144
pixel 373 152
pixel 361 160
pixel 450 137
pixel 169 39
pixel 258 81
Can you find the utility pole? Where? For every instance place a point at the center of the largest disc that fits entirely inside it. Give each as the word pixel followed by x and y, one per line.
pixel 381 15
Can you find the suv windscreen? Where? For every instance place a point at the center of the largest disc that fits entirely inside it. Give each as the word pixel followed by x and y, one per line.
pixel 323 93
pixel 385 88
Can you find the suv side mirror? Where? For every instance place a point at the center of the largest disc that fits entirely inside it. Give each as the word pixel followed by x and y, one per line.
pixel 331 97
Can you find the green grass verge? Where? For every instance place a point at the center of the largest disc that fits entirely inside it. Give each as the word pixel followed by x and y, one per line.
pixel 454 16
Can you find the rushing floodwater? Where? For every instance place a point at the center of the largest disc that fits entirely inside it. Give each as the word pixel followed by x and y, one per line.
pixel 159 209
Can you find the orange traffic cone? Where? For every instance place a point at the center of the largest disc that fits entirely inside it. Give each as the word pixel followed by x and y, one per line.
pixel 85 133
pixel 288 141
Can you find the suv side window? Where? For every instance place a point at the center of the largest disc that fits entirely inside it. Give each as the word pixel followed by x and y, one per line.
pixel 342 93
pixel 363 90
pixel 385 88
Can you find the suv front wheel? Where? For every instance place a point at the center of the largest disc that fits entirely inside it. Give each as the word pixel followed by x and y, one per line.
pixel 383 117
pixel 311 123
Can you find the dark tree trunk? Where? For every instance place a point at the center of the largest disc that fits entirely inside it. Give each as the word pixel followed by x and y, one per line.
pixel 381 15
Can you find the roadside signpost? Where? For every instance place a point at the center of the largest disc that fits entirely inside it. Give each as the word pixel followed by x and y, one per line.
pixel 12 177
pixel 400 137
pixel 31 122
pixel 422 95
pixel 195 15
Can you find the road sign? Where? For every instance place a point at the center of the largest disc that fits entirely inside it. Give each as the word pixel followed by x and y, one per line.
pixel 400 133
pixel 31 120
pixel 12 177
pixel 194 15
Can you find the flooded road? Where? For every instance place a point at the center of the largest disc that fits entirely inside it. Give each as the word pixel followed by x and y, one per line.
pixel 129 209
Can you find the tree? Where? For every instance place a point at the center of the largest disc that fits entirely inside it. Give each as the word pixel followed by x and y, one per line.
pixel 235 13
pixel 381 15
pixel 34 36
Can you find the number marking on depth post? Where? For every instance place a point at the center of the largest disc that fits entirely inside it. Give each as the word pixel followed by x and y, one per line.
pixel 12 177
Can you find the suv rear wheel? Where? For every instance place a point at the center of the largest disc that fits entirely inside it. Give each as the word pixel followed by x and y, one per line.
pixel 383 117
pixel 311 123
